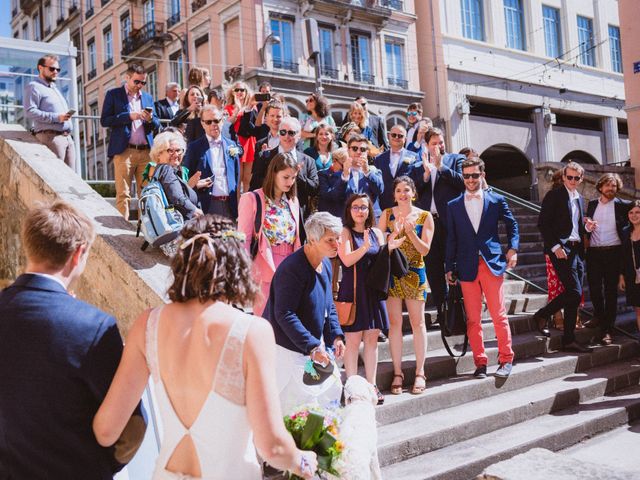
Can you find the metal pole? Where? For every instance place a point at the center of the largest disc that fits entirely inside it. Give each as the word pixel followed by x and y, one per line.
pixel 316 60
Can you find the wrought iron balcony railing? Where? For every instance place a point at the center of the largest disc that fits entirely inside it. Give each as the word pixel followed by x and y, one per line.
pixel 173 19
pixel 73 8
pixel 328 72
pixel 282 65
pixel 88 13
pixel 197 4
pixel 92 74
pixel 363 77
pixel 107 63
pixel 149 32
pixel 397 82
pixel 392 4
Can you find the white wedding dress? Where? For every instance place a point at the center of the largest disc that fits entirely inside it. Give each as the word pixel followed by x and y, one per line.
pixel 221 433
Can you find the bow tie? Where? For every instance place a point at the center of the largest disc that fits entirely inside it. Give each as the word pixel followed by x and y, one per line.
pixel 215 143
pixel 471 196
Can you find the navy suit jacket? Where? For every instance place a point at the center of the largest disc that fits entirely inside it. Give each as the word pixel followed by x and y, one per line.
pixel 408 162
pixel 448 185
pixel 464 244
pixel 335 191
pixel 115 115
pixel 621 209
pixel 555 222
pixel 197 158
pixel 58 356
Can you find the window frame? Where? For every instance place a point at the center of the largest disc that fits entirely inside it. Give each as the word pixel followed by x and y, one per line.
pixel 359 74
pixel 554 22
pixel 586 56
pixel 514 23
pixel 286 46
pixel 615 49
pixel 396 44
pixel 469 8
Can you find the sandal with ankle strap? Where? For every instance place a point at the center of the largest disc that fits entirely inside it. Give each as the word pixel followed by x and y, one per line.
pixel 418 389
pixel 396 388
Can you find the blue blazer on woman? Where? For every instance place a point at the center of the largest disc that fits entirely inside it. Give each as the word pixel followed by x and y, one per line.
pixel 198 158
pixel 464 245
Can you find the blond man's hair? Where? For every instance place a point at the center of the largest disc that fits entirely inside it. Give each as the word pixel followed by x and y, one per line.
pixel 52 233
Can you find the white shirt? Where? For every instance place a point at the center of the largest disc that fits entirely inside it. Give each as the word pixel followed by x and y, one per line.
pixel 474 206
pixel 432 179
pixel 410 134
pixel 173 106
pixel 394 161
pixel 606 233
pixel 292 152
pixel 220 186
pixel 273 142
pixel 575 216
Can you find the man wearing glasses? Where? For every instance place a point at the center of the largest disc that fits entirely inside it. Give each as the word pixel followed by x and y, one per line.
pixel 418 126
pixel 215 160
pixel 48 111
pixel 131 116
pixel 561 223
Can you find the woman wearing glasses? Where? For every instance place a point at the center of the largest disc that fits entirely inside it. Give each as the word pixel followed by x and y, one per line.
pixel 189 114
pixel 278 234
pixel 318 113
pixel 239 103
pixel 416 226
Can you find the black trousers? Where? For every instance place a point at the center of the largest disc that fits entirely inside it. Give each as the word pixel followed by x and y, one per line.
pixel 571 273
pixel 603 271
pixel 435 264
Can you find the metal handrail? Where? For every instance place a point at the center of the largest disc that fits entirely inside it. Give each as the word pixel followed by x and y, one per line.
pixel 527 282
pixel 534 207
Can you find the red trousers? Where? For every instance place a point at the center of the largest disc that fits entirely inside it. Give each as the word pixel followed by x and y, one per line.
pixel 491 286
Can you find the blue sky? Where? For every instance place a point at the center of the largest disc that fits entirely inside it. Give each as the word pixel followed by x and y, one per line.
pixel 5 22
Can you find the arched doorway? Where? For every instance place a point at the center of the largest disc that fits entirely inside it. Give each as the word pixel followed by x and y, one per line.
pixel 581 157
pixel 508 169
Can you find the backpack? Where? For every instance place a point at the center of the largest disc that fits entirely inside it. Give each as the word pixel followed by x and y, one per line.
pixel 159 222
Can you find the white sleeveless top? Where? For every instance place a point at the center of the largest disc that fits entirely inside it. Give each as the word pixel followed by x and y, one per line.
pixel 221 433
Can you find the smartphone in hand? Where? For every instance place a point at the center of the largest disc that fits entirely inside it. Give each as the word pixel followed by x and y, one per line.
pixel 71 112
pixel 262 97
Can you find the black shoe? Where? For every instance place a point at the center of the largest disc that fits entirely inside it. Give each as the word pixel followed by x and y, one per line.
pixel 481 372
pixel 576 347
pixel 382 337
pixel 543 325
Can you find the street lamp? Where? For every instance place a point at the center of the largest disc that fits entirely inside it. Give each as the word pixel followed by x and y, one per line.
pixel 270 40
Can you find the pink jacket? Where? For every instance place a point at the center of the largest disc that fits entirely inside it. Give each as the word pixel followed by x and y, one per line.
pixel 263 265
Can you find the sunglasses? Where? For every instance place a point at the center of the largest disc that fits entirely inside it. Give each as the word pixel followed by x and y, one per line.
pixel 309 100
pixel 238 90
pixel 139 82
pixel 359 208
pixel 412 114
pixel 209 122
pixel 396 135
pixel 571 178
pixel 291 133
pixel 54 69
pixel 359 149
pixel 467 176
pixel 171 151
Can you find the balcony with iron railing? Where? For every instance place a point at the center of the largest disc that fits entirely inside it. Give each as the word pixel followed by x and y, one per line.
pixel 375 11
pixel 47 31
pixel 328 72
pixel 392 4
pixel 108 63
pixel 397 82
pixel 60 20
pixel 363 77
pixel 150 34
pixel 92 74
pixel 284 65
pixel 88 13
pixel 73 8
pixel 173 19
pixel 197 4
pixel 27 6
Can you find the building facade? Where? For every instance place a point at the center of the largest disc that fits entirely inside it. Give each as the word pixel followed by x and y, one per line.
pixel 525 82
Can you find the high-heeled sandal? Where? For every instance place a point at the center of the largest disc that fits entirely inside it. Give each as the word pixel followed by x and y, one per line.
pixel 396 388
pixel 418 389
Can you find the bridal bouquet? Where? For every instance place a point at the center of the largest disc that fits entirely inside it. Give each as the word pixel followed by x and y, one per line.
pixel 316 428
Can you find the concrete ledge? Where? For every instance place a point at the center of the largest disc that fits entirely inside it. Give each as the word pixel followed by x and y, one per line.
pixel 119 278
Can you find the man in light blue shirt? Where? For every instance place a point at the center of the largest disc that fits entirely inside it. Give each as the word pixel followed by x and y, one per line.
pixel 49 112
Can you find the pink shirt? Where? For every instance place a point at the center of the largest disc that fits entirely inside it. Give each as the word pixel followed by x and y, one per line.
pixel 138 136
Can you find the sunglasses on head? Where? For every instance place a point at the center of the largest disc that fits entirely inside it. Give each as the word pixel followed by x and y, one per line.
pixel 359 149
pixel 577 178
pixel 53 69
pixel 214 120
pixel 396 135
pixel 467 176
pixel 171 151
pixel 291 133
pixel 139 82
pixel 238 90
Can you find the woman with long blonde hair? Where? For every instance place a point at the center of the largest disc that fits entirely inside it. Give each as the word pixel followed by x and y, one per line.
pixel 238 103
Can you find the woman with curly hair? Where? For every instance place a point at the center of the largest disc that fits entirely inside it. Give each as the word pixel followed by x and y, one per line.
pixel 212 366
pixel 238 104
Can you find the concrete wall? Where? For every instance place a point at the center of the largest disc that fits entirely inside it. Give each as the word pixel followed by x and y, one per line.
pixel 486 132
pixel 119 278
pixel 567 139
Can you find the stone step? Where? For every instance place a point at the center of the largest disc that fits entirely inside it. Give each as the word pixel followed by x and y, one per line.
pixel 535 257
pixel 554 431
pixel 438 429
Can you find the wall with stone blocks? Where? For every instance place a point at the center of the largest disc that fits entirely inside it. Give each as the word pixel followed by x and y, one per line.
pixel 119 278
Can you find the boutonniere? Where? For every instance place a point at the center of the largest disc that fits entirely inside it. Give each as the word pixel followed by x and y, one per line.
pixel 233 151
pixel 406 160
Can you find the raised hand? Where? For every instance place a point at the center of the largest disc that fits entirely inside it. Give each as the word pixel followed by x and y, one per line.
pixel 193 180
pixel 393 241
pixel 367 240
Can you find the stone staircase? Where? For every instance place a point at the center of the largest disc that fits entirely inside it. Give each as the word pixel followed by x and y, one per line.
pixel 460 425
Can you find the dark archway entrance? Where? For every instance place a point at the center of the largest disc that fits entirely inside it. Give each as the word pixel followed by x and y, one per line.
pixel 508 169
pixel 581 157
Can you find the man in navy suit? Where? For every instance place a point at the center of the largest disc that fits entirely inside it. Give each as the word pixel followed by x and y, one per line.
pixel 394 163
pixel 130 114
pixel 58 356
pixel 168 106
pixel 561 223
pixel 438 180
pixel 475 255
pixel 609 217
pixel 217 158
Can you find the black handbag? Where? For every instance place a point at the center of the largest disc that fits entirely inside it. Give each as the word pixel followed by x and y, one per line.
pixel 454 319
pixel 257 227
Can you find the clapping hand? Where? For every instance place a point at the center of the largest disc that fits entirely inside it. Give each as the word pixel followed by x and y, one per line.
pixel 436 155
pixel 425 163
pixel 393 241
pixel 367 240
pixel 409 226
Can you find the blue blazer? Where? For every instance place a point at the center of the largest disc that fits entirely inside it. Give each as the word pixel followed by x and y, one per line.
pixel 334 191
pixel 58 356
pixel 115 115
pixel 198 158
pixel 464 244
pixel 449 184
pixel 408 162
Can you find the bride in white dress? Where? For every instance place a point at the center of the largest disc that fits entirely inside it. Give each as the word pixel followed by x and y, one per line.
pixel 213 368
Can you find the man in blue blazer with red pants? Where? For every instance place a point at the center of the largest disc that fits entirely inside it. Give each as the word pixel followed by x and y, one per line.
pixel 474 255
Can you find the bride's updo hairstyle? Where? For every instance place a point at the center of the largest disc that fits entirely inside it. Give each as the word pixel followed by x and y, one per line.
pixel 212 264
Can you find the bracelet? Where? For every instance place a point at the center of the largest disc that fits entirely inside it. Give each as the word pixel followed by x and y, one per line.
pixel 305 467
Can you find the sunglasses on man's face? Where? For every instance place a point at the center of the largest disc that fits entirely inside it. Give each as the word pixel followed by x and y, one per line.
pixel 214 120
pixel 571 178
pixel 238 90
pixel 412 114
pixel 139 82
pixel 467 176
pixel 359 149
pixel 291 133
pixel 53 69
pixel 396 135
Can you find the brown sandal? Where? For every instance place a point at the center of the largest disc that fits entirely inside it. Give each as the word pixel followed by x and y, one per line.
pixel 396 388
pixel 418 389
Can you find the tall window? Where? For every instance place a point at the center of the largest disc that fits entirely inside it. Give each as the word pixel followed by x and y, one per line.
pixel 175 62
pixel 472 19
pixel 25 31
pixel 514 21
pixel 174 8
pixel 282 53
pixel 89 4
pixel 585 38
pixel 152 83
pixel 552 38
pixel 46 16
pixel 107 41
pixel 326 53
pixel 148 11
pixel 361 58
pixel 91 52
pixel 125 25
pixel 614 47
pixel 36 27
pixel 394 53
pixel 61 4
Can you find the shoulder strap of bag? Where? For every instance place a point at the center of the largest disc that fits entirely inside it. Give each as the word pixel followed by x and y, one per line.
pixel 449 350
pixel 257 222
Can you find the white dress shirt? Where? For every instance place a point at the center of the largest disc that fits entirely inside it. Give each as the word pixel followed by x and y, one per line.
pixel 410 134
pixel 220 186
pixel 473 204
pixel 273 142
pixel 575 216
pixel 173 106
pixel 432 178
pixel 606 233
pixel 394 161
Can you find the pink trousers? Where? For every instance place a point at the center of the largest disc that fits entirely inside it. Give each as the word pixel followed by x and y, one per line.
pixel 491 286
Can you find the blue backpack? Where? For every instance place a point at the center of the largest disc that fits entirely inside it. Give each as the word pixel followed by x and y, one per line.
pixel 159 222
